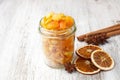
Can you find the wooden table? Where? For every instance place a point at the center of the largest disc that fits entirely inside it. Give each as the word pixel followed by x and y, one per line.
pixel 20 42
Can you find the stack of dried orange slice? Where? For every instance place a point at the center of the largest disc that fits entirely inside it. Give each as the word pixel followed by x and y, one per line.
pixel 92 59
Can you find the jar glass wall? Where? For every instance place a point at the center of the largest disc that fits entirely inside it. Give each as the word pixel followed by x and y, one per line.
pixel 58 46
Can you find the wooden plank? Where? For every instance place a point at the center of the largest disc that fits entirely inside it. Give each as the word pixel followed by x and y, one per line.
pixel 21 56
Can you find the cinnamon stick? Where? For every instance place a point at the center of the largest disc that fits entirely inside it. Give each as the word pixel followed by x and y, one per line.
pixel 113 33
pixel 104 30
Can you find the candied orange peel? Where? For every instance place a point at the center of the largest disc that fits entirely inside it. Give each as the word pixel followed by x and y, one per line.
pixel 57 21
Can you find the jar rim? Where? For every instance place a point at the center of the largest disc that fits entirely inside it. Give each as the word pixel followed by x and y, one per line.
pixel 56 33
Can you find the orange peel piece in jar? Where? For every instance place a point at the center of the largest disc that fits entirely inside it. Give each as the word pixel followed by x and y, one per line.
pixel 52 25
pixel 69 21
pixel 57 21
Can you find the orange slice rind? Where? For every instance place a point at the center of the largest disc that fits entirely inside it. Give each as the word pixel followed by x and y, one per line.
pixel 85 66
pixel 102 60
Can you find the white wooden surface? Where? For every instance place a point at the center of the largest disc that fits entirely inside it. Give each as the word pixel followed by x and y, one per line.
pixel 20 42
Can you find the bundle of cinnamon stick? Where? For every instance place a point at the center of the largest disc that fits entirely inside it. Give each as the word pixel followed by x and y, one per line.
pixel 100 35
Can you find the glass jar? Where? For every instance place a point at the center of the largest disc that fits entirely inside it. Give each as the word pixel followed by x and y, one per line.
pixel 58 46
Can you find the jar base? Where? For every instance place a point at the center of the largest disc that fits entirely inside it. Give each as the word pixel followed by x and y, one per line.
pixel 53 65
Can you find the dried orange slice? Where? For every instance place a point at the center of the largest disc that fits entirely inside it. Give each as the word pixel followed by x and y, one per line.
pixel 86 51
pixel 102 60
pixel 85 66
